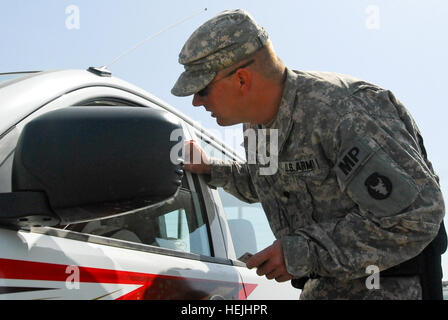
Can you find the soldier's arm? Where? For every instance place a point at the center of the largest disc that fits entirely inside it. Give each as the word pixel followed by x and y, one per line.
pixel 232 176
pixel 398 203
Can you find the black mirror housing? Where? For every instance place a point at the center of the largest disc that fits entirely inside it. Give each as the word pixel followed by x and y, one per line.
pixel 97 162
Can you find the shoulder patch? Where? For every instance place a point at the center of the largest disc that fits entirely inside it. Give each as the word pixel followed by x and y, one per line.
pixel 379 187
pixel 374 180
pixel 352 159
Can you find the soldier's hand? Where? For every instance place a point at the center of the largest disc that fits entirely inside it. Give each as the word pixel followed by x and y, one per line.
pixel 196 160
pixel 271 263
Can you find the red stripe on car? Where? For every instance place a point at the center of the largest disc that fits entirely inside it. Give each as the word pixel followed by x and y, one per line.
pixel 153 286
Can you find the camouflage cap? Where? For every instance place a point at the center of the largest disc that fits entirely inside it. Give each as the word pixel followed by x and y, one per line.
pixel 224 40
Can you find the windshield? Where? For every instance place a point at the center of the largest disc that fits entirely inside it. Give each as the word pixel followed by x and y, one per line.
pixel 4 77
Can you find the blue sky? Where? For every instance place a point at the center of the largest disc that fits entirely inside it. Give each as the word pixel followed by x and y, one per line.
pixel 398 44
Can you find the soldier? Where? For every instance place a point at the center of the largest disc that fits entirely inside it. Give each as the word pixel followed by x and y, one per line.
pixel 354 188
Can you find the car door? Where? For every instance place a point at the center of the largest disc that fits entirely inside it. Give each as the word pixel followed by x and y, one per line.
pixel 162 253
pixel 245 228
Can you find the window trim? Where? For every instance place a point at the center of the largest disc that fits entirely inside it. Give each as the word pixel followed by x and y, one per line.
pixel 116 101
pixel 123 244
pixel 218 145
pixel 202 207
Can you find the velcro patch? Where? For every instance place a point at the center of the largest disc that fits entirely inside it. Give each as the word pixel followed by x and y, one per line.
pixel 379 187
pixel 351 160
pixel 374 180
pixel 300 166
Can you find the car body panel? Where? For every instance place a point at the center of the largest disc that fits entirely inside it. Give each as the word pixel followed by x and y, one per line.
pixel 58 268
pixel 51 263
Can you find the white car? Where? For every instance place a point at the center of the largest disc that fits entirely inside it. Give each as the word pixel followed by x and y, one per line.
pixel 78 149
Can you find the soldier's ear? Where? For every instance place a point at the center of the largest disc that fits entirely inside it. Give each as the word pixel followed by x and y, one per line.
pixel 244 79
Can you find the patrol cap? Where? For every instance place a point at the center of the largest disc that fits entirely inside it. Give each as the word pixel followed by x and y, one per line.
pixel 222 41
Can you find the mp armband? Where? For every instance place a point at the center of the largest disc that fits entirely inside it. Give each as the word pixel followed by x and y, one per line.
pixel 373 180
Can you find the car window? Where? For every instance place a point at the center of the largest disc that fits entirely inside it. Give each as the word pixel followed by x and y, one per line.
pixel 179 224
pixel 214 152
pixel 248 223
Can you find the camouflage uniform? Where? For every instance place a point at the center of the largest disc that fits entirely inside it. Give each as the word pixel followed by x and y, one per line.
pixel 352 189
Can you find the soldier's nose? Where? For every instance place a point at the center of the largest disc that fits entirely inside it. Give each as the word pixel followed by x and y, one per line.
pixel 197 100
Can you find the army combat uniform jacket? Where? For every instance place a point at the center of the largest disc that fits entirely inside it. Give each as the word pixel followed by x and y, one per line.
pixel 353 189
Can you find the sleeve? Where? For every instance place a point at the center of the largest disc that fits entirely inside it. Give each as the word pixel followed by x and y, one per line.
pixel 398 203
pixel 234 178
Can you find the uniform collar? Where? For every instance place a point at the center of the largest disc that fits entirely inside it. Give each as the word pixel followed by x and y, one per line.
pixel 283 121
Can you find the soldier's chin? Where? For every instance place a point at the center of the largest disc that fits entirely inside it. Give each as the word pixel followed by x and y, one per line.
pixel 224 122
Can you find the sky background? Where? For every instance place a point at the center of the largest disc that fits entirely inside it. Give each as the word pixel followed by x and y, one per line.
pixel 400 45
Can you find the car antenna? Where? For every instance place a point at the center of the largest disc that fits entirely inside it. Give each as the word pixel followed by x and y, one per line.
pixel 104 70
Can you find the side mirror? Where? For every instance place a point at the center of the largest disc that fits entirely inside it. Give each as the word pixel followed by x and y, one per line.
pixel 79 164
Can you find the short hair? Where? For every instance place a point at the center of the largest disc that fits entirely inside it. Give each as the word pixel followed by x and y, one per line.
pixel 267 63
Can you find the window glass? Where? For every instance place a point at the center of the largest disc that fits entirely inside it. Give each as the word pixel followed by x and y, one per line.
pixel 247 222
pixel 178 224
pixel 213 152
